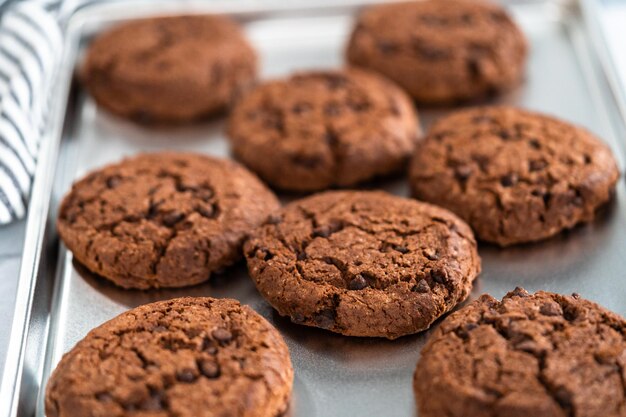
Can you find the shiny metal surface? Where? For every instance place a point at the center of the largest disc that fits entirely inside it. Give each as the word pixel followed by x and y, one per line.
pixel 335 375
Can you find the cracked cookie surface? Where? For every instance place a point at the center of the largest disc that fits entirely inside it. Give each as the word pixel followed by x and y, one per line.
pixel 316 130
pixel 543 354
pixel 363 263
pixel 186 357
pixel 163 219
pixel 515 176
pixel 441 51
pixel 169 69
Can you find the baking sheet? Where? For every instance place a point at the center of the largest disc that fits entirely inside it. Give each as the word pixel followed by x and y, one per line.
pixel 336 375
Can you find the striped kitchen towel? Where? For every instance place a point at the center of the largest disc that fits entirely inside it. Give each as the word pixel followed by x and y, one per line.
pixel 30 49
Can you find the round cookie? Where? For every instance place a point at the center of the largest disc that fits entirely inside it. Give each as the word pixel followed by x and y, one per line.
pixel 441 51
pixel 163 219
pixel 513 175
pixel 363 263
pixel 169 69
pixel 186 357
pixel 317 130
pixel 543 355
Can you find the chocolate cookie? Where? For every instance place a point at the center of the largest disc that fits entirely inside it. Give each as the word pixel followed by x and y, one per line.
pixel 169 69
pixel 441 51
pixel 513 175
pixel 163 219
pixel 186 357
pixel 363 263
pixel 544 355
pixel 318 130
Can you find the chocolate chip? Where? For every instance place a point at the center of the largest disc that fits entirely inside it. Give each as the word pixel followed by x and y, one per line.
pixel 322 231
pixel 334 81
pixel 209 368
pixel 504 135
pixel 298 318
pixel 113 181
pixel 387 47
pixel 546 198
pixel 482 161
pixel 550 309
pixel 357 283
pixel 204 194
pixel 264 254
pixel 519 292
pixel 587 159
pixel 570 313
pixel 607 355
pixel 575 295
pixel 171 218
pixel 359 106
pixel 563 397
pixel 222 335
pixel 498 16
pixel 509 179
pixel 463 332
pixel 209 346
pixel 302 256
pixel 104 397
pixel 299 108
pixel 274 219
pixel 470 326
pixel 325 319
pixel 401 249
pixel 331 138
pixel 463 172
pixel 473 67
pixel 386 247
pixel 274 123
pixel 153 403
pixel 438 275
pixel 206 210
pixel 153 210
pixel 431 254
pixel 422 287
pixel 307 161
pixel 534 143
pixel 429 52
pixel 528 345
pixel 537 165
pixel 327 229
pixel 185 375
pixel 577 198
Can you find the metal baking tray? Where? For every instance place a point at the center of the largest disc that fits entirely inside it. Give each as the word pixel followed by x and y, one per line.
pixel 335 376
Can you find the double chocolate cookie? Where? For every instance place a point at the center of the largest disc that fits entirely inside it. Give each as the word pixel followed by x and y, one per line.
pixel 324 129
pixel 169 69
pixel 363 263
pixel 441 51
pixel 513 175
pixel 528 355
pixel 186 357
pixel 163 219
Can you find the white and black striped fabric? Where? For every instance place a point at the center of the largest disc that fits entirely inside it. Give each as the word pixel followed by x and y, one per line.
pixel 30 47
